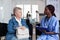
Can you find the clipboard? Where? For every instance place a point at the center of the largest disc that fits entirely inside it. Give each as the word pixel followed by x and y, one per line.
pixel 41 28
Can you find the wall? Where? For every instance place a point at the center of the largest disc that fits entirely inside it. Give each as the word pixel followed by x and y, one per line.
pixel 8 5
pixel 5 10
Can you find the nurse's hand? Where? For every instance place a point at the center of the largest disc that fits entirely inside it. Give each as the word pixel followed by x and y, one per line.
pixel 51 33
pixel 44 31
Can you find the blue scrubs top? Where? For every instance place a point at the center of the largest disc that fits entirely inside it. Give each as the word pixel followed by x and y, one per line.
pixel 53 25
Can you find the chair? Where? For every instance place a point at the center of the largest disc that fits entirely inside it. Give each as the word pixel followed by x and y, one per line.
pixel 3 30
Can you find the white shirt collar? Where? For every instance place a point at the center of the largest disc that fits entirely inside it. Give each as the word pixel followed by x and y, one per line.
pixel 19 21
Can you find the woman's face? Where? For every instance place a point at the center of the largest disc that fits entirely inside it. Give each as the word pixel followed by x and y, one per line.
pixel 18 13
pixel 47 11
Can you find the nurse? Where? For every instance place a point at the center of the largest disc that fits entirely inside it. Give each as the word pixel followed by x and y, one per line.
pixel 15 22
pixel 49 21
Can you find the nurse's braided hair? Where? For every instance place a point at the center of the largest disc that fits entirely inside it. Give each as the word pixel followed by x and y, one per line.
pixel 52 9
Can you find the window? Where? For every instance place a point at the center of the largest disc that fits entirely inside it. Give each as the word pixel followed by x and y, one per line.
pixel 34 8
pixel 27 7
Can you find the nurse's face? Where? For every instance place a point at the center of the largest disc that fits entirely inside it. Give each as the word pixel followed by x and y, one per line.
pixel 18 13
pixel 47 11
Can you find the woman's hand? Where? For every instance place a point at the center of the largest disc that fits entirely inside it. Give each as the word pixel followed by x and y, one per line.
pixel 22 27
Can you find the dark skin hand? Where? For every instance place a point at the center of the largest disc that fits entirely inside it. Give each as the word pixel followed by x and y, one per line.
pixel 52 33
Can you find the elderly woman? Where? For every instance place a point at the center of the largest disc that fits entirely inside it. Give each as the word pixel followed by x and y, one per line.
pixel 15 22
